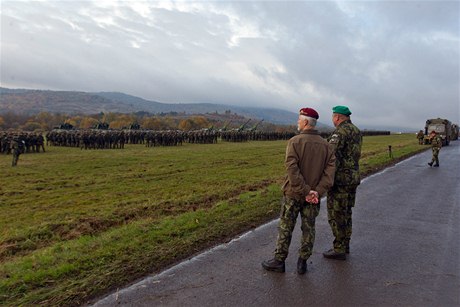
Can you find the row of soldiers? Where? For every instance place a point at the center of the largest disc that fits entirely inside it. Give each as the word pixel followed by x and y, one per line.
pixel 112 139
pixel 86 139
pixel 30 141
pixel 244 136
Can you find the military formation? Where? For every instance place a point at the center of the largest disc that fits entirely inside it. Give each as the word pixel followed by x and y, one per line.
pixel 32 142
pixel 244 136
pixel 17 143
pixel 114 139
pixel 104 138
pixel 86 139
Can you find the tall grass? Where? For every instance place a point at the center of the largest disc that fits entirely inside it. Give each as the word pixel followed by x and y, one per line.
pixel 75 223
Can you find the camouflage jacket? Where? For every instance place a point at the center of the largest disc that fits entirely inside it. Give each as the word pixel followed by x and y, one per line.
pixel 17 146
pixel 436 141
pixel 346 140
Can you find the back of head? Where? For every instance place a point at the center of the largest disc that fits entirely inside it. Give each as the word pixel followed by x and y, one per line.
pixel 310 115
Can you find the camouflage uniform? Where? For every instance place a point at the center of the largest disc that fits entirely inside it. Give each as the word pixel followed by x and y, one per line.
pixel 289 211
pixel 420 136
pixel 347 140
pixel 436 144
pixel 17 147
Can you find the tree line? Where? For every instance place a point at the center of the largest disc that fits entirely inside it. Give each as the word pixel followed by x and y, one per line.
pixel 46 121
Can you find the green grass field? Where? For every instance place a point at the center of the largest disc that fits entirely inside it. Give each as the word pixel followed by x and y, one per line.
pixel 75 224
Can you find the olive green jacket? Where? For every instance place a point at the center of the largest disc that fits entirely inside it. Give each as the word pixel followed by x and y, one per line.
pixel 310 165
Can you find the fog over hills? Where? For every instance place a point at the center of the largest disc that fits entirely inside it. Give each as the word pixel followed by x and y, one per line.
pixel 73 102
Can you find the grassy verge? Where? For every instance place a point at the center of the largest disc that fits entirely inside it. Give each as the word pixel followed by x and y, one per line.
pixel 77 223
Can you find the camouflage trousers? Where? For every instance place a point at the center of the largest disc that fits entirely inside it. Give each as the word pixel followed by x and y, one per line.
pixel 435 158
pixel 340 201
pixel 15 157
pixel 290 209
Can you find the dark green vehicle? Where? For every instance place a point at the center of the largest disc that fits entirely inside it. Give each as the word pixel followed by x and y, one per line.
pixel 442 126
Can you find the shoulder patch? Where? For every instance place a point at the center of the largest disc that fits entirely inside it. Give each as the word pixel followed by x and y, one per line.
pixel 334 139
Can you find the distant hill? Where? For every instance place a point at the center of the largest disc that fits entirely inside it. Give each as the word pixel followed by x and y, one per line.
pixel 72 102
pixel 35 101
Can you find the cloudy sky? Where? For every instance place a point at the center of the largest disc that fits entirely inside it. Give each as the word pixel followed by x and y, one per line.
pixel 394 63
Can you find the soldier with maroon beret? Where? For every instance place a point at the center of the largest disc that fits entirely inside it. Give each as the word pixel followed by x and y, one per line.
pixel 310 167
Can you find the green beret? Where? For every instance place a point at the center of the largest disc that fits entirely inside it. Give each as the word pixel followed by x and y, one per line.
pixel 341 110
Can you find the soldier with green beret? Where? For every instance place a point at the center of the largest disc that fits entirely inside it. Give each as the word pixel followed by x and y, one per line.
pixel 346 140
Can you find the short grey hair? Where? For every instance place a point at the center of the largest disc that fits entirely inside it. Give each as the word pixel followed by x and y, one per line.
pixel 311 120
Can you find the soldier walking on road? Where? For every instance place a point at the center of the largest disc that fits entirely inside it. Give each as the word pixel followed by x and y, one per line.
pixel 436 144
pixel 420 136
pixel 310 166
pixel 346 140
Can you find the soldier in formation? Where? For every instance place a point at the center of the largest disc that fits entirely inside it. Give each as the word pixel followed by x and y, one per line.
pixel 310 167
pixel 113 139
pixel 33 142
pixel 87 139
pixel 436 144
pixel 244 136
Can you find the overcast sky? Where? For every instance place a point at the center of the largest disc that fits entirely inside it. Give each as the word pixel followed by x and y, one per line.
pixel 394 63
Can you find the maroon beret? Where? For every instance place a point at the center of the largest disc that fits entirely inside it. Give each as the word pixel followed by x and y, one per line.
pixel 309 112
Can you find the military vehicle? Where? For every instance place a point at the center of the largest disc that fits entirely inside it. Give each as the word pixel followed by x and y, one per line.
pixel 64 126
pixel 442 126
pixel 256 125
pixel 224 128
pixel 241 128
pixel 101 126
pixel 134 126
pixel 455 132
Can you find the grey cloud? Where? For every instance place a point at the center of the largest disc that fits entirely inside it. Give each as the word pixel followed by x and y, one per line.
pixel 388 60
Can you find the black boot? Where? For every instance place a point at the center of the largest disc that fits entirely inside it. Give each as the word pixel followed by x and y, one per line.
pixel 274 265
pixel 436 165
pixel 301 266
pixel 430 163
pixel 332 254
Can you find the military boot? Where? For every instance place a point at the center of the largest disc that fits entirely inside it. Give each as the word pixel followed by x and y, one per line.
pixel 430 163
pixel 436 165
pixel 301 266
pixel 332 254
pixel 274 265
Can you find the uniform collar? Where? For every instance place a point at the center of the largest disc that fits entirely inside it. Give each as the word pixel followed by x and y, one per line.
pixel 347 121
pixel 311 131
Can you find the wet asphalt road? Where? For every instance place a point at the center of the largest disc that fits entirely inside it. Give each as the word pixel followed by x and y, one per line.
pixel 405 251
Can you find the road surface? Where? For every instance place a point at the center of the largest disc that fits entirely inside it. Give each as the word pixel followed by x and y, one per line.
pixel 404 252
